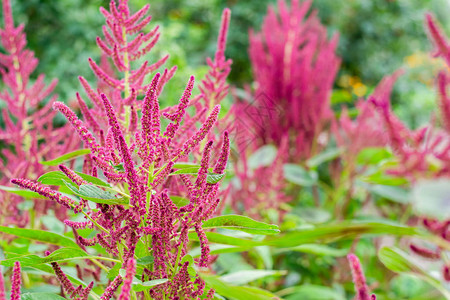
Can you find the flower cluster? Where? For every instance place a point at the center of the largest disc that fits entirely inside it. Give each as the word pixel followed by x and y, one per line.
pixel 139 159
pixel 294 66
pixel 28 117
pixel 362 291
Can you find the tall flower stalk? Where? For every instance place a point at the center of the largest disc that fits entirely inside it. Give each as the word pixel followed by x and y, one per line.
pixel 138 158
pixel 294 67
pixel 29 134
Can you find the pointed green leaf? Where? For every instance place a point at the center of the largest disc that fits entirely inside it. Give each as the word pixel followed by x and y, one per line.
pixel 344 230
pixel 401 262
pixel 96 194
pixel 146 260
pixel 214 237
pixel 237 292
pixel 139 287
pixel 318 249
pixel 66 157
pixel 179 201
pixel 298 175
pixel 262 157
pixel 40 235
pixel 93 180
pixel 40 296
pixel 214 178
pixel 322 157
pixel 53 178
pixel 241 223
pixel 246 276
pixel 372 156
pixel 63 254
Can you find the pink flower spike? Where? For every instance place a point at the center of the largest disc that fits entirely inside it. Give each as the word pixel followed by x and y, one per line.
pixel 114 83
pixel 221 163
pixel 199 135
pixel 126 288
pixel 45 191
pixel 72 175
pixel 16 281
pixel 83 132
pixel 132 178
pixel 362 291
pixel 222 38
pixel 438 38
pixel 111 289
pixel 87 114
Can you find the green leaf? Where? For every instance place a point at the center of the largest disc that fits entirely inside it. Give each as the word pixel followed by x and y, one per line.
pixel 373 156
pixel 241 223
pixel 298 175
pixel 214 178
pixel 40 296
pixel 179 201
pixel 53 178
pixel 262 157
pixel 394 193
pixel 237 292
pixel 311 292
pixel 146 260
pixel 40 235
pixel 322 157
pixel 66 157
pixel 63 254
pixel 432 198
pixel 210 177
pixel 214 237
pixel 97 194
pixel 139 287
pixel 384 179
pixel 396 260
pixel 114 271
pixel 318 249
pixel 190 171
pixel 399 261
pixel 313 214
pixel 93 180
pixel 184 165
pixel 246 276
pixel 21 192
pixel 344 230
pixel 218 249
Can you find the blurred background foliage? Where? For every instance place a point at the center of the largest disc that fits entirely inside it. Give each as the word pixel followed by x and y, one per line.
pixel 376 38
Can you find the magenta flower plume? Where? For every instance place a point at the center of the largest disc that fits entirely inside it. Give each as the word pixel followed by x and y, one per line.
pixel 45 191
pixel 126 288
pixel 362 291
pixel 28 133
pixel 138 160
pixel 294 66
pixel 111 289
pixel 214 87
pixel 438 38
pixel 62 278
pixel 16 282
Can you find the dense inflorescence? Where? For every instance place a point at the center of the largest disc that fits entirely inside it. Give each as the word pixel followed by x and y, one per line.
pixel 129 147
pixel 362 291
pixel 294 67
pixel 28 118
